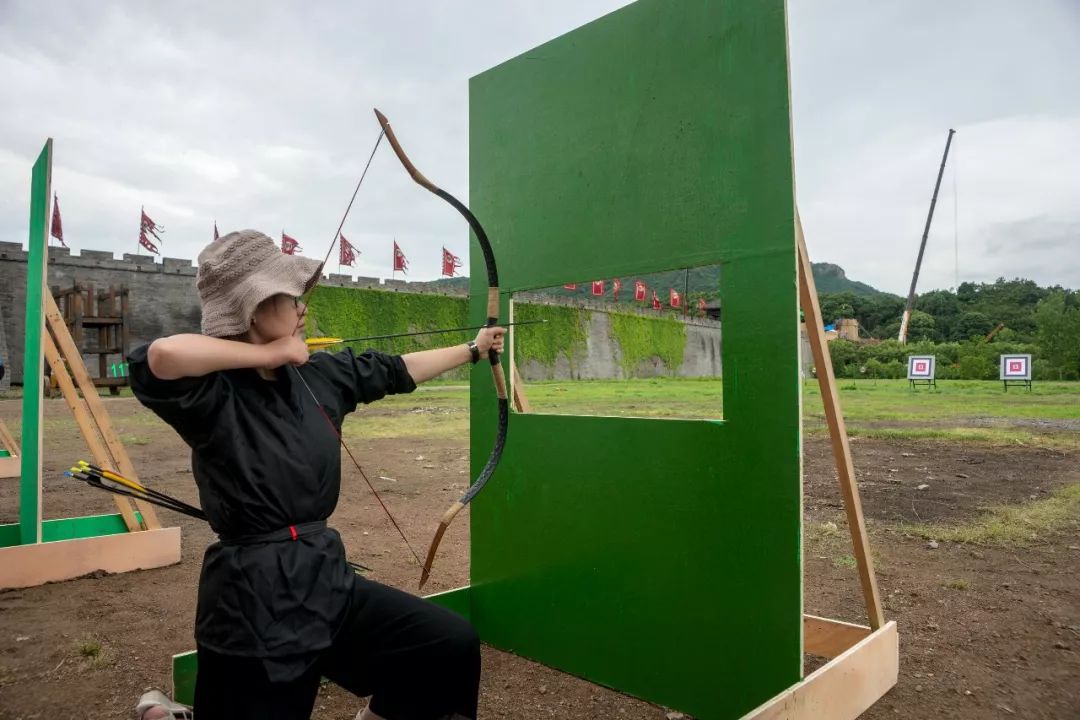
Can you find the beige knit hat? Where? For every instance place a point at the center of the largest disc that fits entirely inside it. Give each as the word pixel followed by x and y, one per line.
pixel 240 270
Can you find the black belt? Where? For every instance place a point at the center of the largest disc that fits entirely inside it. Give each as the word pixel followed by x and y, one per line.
pixel 285 534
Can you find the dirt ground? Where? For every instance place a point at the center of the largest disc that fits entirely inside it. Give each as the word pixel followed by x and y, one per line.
pixel 985 632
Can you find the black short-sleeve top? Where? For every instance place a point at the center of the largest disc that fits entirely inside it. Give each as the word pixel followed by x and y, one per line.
pixel 264 458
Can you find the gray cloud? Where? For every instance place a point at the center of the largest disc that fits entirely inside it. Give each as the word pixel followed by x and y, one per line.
pixel 259 114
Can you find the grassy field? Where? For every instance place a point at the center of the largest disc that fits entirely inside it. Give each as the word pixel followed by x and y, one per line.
pixel 962 411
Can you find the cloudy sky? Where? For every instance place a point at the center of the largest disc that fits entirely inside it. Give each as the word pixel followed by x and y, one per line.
pixel 259 115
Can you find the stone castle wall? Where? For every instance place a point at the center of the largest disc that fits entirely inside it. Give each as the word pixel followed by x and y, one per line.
pixel 162 295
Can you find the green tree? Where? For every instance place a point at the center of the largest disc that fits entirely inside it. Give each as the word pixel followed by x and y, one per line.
pixel 1059 334
pixel 836 305
pixel 945 308
pixel 972 325
pixel 921 326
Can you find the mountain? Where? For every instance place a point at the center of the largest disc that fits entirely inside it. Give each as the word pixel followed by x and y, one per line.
pixel 831 278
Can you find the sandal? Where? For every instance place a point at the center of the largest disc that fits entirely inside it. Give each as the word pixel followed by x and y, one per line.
pixel 157 699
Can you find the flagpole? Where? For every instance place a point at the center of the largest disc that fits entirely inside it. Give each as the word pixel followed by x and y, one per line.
pixel 686 292
pixel 138 245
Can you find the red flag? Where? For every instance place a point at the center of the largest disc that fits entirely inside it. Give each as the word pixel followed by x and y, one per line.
pixel 674 298
pixel 216 236
pixel 616 286
pixel 289 246
pixel 450 262
pixel 400 263
pixel 655 301
pixel 146 243
pixel 639 290
pixel 597 287
pixel 146 225
pixel 570 286
pixel 57 227
pixel 346 251
pixel 701 306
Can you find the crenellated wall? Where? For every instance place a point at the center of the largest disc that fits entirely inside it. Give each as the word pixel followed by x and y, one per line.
pixel 162 295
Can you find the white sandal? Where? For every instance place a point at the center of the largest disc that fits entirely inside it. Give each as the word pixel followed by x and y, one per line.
pixel 157 699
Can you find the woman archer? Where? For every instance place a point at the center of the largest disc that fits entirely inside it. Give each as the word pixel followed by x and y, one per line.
pixel 278 605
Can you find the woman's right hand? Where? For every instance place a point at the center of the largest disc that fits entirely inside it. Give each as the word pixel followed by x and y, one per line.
pixel 289 350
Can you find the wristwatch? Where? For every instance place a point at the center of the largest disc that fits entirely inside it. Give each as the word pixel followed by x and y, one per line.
pixel 474 350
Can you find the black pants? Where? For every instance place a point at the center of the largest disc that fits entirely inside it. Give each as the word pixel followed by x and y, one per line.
pixel 418 661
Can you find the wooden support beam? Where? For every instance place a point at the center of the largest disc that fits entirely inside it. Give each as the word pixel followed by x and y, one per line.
pixel 517 385
pixel 837 432
pixel 10 466
pixel 7 439
pixel 843 688
pixel 521 401
pixel 70 352
pixel 86 427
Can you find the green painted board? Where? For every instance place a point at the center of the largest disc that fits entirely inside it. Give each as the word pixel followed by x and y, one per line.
pixel 69 528
pixel 185 668
pixel 83 527
pixel 33 355
pixel 658 557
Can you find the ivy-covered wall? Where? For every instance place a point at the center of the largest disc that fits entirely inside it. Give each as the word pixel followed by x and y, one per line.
pixel 571 343
pixel 563 334
pixel 641 339
pixel 347 312
pixel 581 343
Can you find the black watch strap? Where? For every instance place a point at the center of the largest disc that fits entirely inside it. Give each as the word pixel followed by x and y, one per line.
pixel 475 352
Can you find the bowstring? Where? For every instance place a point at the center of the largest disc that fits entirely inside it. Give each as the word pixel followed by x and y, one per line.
pixel 351 201
pixel 348 452
pixel 333 428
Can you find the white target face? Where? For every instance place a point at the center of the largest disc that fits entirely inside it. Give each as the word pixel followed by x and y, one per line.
pixel 920 367
pixel 1015 367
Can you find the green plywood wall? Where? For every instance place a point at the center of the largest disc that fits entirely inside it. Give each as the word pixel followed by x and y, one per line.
pixel 659 557
pixel 33 355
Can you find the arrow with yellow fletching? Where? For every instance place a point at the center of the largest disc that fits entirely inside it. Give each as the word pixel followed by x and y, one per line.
pixel 318 343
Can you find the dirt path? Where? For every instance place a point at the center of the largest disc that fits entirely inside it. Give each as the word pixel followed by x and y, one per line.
pixel 985 632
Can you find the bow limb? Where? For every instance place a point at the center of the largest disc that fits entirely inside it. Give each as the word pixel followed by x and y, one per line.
pixel 493 356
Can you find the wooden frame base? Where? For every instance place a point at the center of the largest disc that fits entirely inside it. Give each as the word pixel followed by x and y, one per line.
pixel 846 686
pixel 10 467
pixel 39 563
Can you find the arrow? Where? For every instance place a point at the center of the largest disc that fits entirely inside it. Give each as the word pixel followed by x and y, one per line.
pixel 317 343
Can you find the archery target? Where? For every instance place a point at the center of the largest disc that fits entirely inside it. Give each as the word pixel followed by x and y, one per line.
pixel 1015 367
pixel 920 367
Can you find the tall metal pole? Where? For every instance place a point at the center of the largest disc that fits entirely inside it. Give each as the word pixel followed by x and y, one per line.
pixel 922 246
